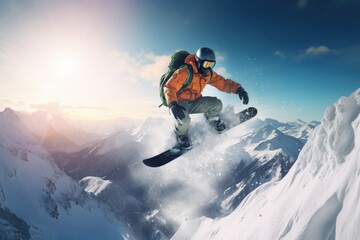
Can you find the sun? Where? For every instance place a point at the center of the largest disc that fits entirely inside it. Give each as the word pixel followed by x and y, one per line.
pixel 61 74
pixel 65 65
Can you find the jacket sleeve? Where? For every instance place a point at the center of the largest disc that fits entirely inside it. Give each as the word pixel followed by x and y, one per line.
pixel 224 85
pixel 174 84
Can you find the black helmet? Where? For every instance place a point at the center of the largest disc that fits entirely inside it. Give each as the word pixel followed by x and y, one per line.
pixel 205 59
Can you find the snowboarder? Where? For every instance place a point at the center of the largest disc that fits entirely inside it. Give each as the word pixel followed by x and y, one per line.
pixel 189 100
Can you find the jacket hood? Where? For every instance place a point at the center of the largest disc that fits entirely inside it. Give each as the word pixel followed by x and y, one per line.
pixel 192 61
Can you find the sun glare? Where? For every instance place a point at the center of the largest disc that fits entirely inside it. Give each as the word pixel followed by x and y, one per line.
pixel 66 65
pixel 63 72
pixel 67 57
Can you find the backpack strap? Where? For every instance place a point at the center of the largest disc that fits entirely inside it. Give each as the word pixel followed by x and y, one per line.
pixel 211 76
pixel 185 85
pixel 189 78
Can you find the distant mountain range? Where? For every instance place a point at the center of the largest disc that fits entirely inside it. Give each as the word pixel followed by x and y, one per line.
pixel 38 200
pixel 218 173
pixel 298 129
pixel 256 153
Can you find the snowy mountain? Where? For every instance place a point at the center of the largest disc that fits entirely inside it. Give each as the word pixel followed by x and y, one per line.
pixel 102 158
pixel 118 150
pixel 110 170
pixel 298 129
pixel 38 200
pixel 224 168
pixel 211 180
pixel 272 152
pixel 56 133
pixel 125 204
pixel 318 199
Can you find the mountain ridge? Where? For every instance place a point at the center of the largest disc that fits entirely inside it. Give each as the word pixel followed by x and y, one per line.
pixel 111 170
pixel 38 200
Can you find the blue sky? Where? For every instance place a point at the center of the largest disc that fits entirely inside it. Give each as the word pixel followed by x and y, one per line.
pixel 294 58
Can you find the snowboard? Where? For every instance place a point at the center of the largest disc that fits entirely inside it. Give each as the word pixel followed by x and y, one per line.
pixel 176 151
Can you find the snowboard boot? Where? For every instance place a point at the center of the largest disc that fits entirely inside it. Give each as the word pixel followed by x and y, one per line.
pixel 218 124
pixel 184 142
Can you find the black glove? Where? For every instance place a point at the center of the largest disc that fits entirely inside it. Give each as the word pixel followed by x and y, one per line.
pixel 243 95
pixel 177 110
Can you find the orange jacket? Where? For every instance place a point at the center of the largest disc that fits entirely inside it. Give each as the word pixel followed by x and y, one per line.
pixel 193 91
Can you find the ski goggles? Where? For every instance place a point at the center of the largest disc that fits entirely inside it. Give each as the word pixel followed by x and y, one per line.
pixel 208 64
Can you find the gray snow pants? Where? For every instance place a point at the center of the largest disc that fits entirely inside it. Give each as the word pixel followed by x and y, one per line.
pixel 210 106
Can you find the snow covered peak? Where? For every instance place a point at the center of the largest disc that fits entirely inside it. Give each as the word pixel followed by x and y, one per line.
pixel 9 114
pixel 264 132
pixel 269 139
pixel 14 133
pixel 317 200
pixel 273 122
pixel 63 132
pixel 298 129
pixel 334 140
pixel 116 141
pixel 38 200
pixel 300 121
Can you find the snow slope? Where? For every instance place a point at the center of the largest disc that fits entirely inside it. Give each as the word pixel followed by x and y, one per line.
pixel 318 199
pixel 38 200
pixel 272 152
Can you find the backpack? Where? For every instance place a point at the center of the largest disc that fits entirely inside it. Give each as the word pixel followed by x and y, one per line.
pixel 176 62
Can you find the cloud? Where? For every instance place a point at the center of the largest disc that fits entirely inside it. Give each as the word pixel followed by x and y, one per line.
pixel 279 54
pixel 223 72
pixel 313 51
pixel 5 103
pixel 149 67
pixel 319 50
pixel 154 69
pixel 221 56
pixel 145 66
